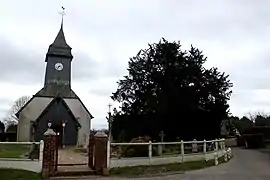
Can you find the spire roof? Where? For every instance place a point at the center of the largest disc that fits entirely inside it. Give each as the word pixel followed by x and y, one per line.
pixel 60 40
pixel 60 47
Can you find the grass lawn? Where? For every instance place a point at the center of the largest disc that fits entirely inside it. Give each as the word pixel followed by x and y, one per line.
pixel 144 171
pixel 13 150
pixel 16 174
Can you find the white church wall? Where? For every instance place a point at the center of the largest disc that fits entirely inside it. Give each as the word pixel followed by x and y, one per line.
pixel 83 118
pixel 28 114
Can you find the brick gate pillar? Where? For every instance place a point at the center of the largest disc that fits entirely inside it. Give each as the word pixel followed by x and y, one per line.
pixel 100 153
pixel 49 155
pixel 91 151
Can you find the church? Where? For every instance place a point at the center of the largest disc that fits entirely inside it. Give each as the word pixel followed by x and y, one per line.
pixel 56 102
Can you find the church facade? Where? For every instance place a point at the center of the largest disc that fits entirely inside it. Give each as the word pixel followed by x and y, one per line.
pixel 56 102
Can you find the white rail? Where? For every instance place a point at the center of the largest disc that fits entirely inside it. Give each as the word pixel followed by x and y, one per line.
pixel 217 144
pixel 26 143
pixel 27 164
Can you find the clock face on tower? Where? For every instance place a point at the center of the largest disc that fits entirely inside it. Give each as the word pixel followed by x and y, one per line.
pixel 59 66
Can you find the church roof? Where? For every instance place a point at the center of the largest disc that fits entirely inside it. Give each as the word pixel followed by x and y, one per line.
pixel 55 90
pixel 49 91
pixel 60 40
pixel 60 47
pixel 66 106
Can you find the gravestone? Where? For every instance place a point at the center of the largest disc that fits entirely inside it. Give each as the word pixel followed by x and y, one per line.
pixel 194 146
pixel 161 146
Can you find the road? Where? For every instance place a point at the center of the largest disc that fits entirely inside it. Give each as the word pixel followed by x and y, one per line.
pixel 245 165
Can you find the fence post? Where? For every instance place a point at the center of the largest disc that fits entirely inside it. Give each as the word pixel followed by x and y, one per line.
pixel 225 155
pixel 41 147
pixel 216 158
pixel 223 144
pixel 216 144
pixel 204 148
pixel 150 152
pixel 182 150
pixel 109 153
pixel 100 153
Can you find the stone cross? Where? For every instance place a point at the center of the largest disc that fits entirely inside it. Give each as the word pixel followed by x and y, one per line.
pixel 161 146
pixel 109 105
pixel 162 135
pixel 109 119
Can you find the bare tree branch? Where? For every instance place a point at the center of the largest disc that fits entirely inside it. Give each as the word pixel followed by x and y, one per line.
pixel 17 105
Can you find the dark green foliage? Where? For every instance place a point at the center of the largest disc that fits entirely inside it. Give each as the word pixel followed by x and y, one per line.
pixel 261 120
pixel 12 128
pixel 241 124
pixel 136 150
pixel 2 127
pixel 168 89
pixel 9 137
pixel 259 130
pixel 255 136
pixel 254 141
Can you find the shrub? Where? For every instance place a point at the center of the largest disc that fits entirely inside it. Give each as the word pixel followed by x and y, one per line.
pixel 259 130
pixel 137 150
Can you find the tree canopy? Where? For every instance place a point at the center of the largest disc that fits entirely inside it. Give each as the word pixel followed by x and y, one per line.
pixel 12 128
pixel 2 127
pixel 168 89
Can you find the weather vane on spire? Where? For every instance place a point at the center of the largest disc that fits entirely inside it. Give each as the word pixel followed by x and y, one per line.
pixel 63 13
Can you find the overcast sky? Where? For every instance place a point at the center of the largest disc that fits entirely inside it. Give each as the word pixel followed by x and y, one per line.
pixel 233 34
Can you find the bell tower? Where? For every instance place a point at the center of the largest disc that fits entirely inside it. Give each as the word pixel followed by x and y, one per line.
pixel 58 59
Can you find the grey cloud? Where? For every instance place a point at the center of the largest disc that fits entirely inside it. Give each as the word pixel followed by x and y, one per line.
pixel 23 66
pixel 18 64
pixel 5 100
pixel 252 74
pixel 99 123
pixel 85 67
pixel 114 69
pixel 101 91
pixel 178 19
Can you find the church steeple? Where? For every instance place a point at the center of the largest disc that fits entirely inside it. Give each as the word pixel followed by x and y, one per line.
pixel 58 59
pixel 60 47
pixel 60 40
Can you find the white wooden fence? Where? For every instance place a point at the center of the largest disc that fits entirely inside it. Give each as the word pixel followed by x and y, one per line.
pixel 207 153
pixel 34 165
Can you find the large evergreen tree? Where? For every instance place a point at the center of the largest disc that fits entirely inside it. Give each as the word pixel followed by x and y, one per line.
pixel 168 89
pixel 2 127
